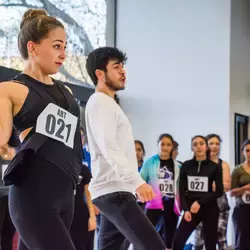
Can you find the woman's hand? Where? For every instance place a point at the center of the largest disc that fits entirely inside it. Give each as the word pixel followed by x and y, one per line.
pixel 187 216
pixel 214 187
pixel 195 207
pixel 7 153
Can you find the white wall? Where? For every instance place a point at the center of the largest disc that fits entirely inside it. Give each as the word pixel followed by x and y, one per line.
pixel 240 65
pixel 178 69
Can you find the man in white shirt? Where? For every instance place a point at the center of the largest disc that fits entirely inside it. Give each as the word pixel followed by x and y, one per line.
pixel 113 159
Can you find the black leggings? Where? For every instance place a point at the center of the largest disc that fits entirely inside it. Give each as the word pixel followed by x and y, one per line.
pixel 6 226
pixel 80 235
pixel 170 221
pixel 241 221
pixel 208 215
pixel 41 207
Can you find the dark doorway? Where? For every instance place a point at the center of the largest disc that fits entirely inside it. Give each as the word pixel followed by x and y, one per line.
pixel 241 134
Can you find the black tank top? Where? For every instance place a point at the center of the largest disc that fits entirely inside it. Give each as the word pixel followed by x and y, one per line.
pixel 39 96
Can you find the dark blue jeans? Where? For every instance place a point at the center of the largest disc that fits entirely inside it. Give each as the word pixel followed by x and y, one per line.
pixel 123 219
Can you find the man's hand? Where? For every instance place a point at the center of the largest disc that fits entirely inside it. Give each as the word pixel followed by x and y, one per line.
pixel 97 211
pixel 92 223
pixel 145 193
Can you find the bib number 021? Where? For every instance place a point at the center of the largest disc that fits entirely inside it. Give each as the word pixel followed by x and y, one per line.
pixel 58 124
pixel 51 125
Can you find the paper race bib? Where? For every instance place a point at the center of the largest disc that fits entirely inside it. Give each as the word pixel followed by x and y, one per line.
pixel 4 167
pixel 197 184
pixel 166 187
pixel 246 197
pixel 57 123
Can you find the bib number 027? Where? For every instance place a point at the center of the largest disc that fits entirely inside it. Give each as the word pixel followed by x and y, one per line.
pixel 198 183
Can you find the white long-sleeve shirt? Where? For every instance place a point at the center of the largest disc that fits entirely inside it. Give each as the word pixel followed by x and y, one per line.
pixel 111 143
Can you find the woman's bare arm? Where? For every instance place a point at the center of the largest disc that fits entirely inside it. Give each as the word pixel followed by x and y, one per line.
pixel 89 201
pixel 226 176
pixel 6 117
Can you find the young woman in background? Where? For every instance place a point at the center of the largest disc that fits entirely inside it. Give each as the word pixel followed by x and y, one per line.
pixel 162 173
pixel 140 153
pixel 214 142
pixel 198 200
pixel 241 191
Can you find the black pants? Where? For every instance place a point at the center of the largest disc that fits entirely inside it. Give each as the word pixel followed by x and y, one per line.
pixel 208 215
pixel 123 218
pixel 83 240
pixel 41 208
pixel 6 226
pixel 170 220
pixel 241 221
pixel 81 237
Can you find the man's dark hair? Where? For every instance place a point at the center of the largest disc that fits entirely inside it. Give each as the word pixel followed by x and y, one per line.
pixel 99 58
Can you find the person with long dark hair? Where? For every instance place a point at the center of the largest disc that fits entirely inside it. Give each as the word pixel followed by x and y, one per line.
pixel 240 189
pixel 198 199
pixel 45 170
pixel 214 144
pixel 140 153
pixel 162 173
pixel 175 151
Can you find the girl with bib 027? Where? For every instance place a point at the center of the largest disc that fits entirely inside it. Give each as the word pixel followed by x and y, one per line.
pixel 214 144
pixel 45 170
pixel 162 173
pixel 198 199
pixel 240 189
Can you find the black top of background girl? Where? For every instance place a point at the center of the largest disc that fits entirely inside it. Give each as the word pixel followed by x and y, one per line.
pixel 197 177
